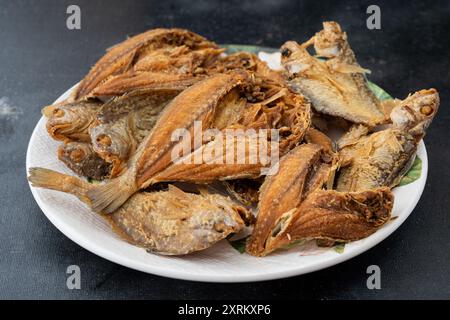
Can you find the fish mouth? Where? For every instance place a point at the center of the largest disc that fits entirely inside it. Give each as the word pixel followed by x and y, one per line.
pixel 59 131
pixel 49 110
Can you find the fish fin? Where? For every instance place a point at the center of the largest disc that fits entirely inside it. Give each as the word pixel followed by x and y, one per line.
pixel 49 179
pixel 180 193
pixel 45 178
pixel 108 197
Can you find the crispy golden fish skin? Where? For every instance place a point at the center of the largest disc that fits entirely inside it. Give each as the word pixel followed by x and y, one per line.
pixel 380 159
pixel 179 79
pixel 384 157
pixel 71 121
pixel 147 80
pixel 82 159
pixel 197 103
pixel 273 108
pixel 215 161
pixel 121 57
pixel 301 171
pixel 179 60
pixel 315 136
pixel 332 216
pixel 179 223
pixel 162 69
pixel 170 222
pixel 123 122
pixel 336 86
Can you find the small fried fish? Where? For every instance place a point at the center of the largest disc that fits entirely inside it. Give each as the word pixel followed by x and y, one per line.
pixel 197 103
pixel 301 171
pixel 331 216
pixel 384 157
pixel 81 158
pixel 336 86
pixel 242 150
pixel 123 122
pixel 122 57
pixel 170 222
pixel 71 121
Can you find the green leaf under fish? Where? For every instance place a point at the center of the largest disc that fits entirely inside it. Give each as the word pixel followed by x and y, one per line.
pixel 239 244
pixel 413 173
pixel 339 248
pixel 379 93
pixel 93 181
pixel 233 48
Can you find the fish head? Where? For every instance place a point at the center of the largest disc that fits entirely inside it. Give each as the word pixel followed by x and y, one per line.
pixel 81 158
pixel 295 59
pixel 415 113
pixel 70 121
pixel 75 152
pixel 114 142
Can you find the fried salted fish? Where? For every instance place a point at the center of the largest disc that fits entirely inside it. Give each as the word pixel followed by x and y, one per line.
pixel 335 86
pixel 122 123
pixel 293 206
pixel 197 103
pixel 156 49
pixel 384 157
pixel 81 158
pixel 170 222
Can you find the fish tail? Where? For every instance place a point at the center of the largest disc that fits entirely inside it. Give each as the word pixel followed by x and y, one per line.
pixel 108 197
pixel 49 179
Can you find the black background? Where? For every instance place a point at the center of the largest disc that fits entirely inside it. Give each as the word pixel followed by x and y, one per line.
pixel 40 58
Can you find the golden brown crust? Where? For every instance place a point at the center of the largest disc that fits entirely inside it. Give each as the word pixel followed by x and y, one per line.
pixel 147 80
pixel 121 57
pixel 283 192
pixel 333 216
pixel 336 86
pixel 197 103
pixel 71 121
pixel 273 108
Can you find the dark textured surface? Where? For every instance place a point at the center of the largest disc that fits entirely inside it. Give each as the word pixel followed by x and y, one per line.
pixel 40 59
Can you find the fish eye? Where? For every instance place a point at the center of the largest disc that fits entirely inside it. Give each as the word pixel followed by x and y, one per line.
pixel 103 139
pixel 77 155
pixel 58 113
pixel 426 110
pixel 286 52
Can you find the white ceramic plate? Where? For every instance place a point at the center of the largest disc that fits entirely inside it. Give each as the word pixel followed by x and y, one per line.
pixel 221 263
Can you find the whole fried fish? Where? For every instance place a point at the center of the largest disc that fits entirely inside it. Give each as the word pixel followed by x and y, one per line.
pixel 336 86
pixel 71 121
pixel 81 158
pixel 197 103
pixel 300 172
pixel 122 57
pixel 154 78
pixel 384 157
pixel 331 216
pixel 292 205
pixel 170 222
pixel 123 122
pixel 240 151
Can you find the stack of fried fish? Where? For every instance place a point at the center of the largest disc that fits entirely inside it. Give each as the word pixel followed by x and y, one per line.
pixel 117 126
